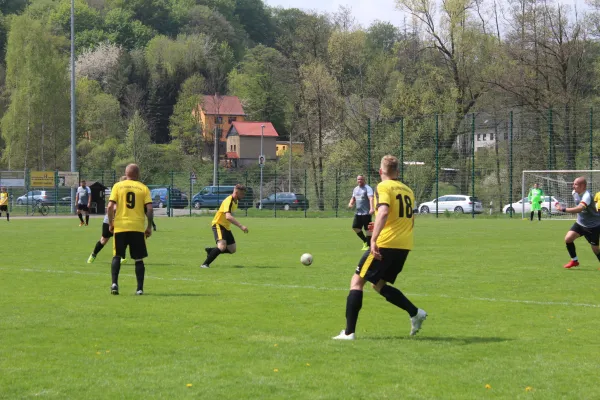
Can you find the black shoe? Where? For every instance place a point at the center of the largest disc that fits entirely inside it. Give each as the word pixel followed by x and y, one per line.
pixel 114 289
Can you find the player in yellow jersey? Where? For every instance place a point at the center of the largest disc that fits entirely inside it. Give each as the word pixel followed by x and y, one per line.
pixel 390 244
pixel 130 198
pixel 597 201
pixel 221 226
pixel 4 203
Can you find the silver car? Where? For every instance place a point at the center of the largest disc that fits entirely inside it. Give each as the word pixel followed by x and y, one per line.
pixel 457 203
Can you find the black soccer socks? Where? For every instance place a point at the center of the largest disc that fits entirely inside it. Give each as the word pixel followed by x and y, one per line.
pixel 99 246
pixel 214 253
pixel 115 268
pixel 397 298
pixel 571 250
pixel 353 306
pixel 362 236
pixel 140 271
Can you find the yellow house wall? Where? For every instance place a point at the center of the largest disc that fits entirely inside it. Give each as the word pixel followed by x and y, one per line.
pixel 298 148
pixel 208 123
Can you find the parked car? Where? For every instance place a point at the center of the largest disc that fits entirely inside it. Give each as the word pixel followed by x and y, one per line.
pixel 457 203
pixel 547 206
pixel 213 196
pixel 160 198
pixel 284 201
pixel 34 196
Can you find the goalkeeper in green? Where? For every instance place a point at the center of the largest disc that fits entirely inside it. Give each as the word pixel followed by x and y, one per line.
pixel 535 199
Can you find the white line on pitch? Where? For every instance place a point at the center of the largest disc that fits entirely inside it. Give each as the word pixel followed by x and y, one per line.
pixel 488 299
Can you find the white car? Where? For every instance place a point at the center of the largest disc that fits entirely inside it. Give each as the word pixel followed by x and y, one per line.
pixel 457 203
pixel 547 205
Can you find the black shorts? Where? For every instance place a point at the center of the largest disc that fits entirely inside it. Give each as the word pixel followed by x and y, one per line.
pixel 82 207
pixel 223 234
pixel 361 221
pixel 391 264
pixel 4 208
pixel 106 233
pixel 591 234
pixel 136 242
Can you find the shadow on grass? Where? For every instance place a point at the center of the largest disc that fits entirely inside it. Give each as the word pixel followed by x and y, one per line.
pixel 255 266
pixel 446 339
pixel 182 294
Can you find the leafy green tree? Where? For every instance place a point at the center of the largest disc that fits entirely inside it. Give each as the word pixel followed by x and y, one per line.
pixel 262 82
pixel 185 125
pixel 255 20
pixel 126 31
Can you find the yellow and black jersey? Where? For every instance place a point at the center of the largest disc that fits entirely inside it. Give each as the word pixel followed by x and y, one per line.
pixel 398 230
pixel 596 201
pixel 131 198
pixel 228 205
pixel 3 198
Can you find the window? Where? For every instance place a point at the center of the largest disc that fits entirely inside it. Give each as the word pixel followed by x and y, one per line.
pixel 491 136
pixel 484 135
pixel 271 197
pixel 478 137
pixel 230 147
pixel 232 119
pixel 235 147
pixel 218 120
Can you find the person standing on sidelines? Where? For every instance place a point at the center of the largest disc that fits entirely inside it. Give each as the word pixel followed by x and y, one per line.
pixel 391 242
pixel 83 199
pixel 221 226
pixel 535 197
pixel 362 197
pixel 4 203
pixel 126 219
pixel 587 224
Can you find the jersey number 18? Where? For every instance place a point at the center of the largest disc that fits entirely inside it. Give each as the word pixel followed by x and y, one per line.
pixel 407 204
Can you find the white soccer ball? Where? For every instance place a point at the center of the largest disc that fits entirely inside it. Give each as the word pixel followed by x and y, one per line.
pixel 306 259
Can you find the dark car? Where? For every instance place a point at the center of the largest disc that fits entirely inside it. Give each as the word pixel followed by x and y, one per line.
pixel 160 198
pixel 213 196
pixel 285 201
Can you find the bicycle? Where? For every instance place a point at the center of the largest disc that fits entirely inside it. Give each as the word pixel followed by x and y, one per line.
pixel 40 208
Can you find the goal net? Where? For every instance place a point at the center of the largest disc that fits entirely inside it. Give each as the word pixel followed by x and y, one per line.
pixel 557 186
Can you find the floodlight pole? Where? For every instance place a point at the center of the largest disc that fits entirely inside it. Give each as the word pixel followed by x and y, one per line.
pixel 261 165
pixel 73 136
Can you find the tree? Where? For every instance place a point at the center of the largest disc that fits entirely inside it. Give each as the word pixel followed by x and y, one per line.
pixel 185 126
pixel 262 82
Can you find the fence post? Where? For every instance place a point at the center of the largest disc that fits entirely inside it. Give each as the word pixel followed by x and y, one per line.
pixel 369 151
pixel 473 162
pixel 591 137
pixel 437 163
pixel 246 184
pixel 337 180
pixel 56 192
pixel 510 164
pixel 402 149
pixel 169 203
pixel 305 193
pixel 275 203
pixel 550 144
pixel 191 194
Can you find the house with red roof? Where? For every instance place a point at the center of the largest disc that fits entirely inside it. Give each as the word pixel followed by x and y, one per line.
pixel 218 111
pixel 243 142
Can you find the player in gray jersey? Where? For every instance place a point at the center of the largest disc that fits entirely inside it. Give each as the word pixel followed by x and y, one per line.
pixel 588 221
pixel 83 200
pixel 106 234
pixel 362 197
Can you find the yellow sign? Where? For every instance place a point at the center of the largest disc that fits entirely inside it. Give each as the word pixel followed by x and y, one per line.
pixel 41 179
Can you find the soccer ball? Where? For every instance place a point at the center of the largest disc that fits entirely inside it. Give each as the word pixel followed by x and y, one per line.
pixel 306 259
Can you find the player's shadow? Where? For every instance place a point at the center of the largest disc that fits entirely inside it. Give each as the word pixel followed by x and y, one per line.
pixel 255 266
pixel 463 341
pixel 182 294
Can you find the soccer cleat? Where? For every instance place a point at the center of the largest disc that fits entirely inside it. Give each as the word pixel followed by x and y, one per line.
pixel 365 247
pixel 81 224
pixel 114 289
pixel 139 292
pixel 343 336
pixel 572 264
pixel 124 260
pixel 91 259
pixel 417 321
pixel 205 266
pixel 86 224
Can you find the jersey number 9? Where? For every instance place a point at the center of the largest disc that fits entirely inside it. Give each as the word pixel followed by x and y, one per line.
pixel 130 199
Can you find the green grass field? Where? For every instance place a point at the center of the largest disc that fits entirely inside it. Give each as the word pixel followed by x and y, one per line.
pixel 258 325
